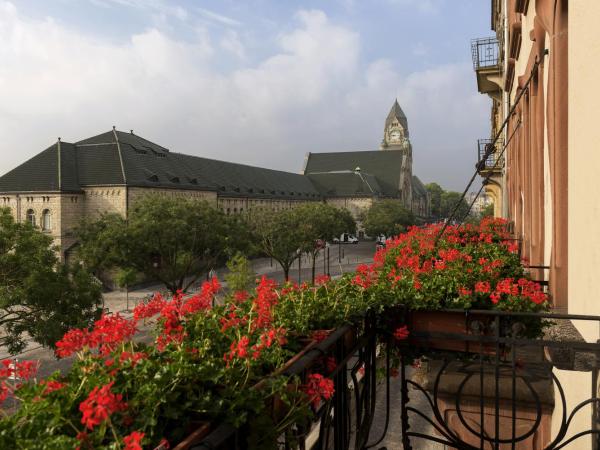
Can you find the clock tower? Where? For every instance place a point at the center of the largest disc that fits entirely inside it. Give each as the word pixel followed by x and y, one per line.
pixel 395 137
pixel 395 132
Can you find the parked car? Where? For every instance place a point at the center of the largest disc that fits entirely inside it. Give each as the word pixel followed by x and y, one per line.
pixel 346 238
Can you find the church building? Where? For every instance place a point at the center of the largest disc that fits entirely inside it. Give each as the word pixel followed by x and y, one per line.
pixel 355 179
pixel 109 172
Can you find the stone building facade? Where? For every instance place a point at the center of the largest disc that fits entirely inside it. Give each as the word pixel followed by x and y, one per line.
pixel 109 172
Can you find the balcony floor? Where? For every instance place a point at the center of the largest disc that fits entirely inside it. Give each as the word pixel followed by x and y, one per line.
pixel 393 438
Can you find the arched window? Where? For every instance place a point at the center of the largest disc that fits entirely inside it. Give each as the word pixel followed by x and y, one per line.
pixel 46 220
pixel 31 217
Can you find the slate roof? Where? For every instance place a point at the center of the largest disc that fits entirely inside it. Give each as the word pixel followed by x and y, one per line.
pixel 346 184
pixel 54 169
pixel 383 165
pixel 418 187
pixel 397 113
pixel 119 158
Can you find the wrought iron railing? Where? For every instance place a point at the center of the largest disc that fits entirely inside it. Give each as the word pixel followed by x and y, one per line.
pixel 493 386
pixel 485 53
pixel 492 161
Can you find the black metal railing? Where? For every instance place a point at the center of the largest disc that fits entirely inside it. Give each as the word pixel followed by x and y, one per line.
pixel 493 161
pixel 493 385
pixel 485 53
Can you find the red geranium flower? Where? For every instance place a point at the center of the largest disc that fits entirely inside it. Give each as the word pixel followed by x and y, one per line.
pixel 318 388
pixel 133 441
pixel 99 405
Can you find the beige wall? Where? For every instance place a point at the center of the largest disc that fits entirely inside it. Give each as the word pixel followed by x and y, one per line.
pixel 99 200
pixel 584 161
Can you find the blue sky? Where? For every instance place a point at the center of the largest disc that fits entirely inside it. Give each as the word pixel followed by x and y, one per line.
pixel 260 82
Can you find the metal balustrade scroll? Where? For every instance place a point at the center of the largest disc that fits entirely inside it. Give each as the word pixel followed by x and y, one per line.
pixel 468 400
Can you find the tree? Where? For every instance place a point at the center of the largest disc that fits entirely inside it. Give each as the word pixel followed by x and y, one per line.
pixel 125 278
pixel 488 211
pixel 241 276
pixel 449 201
pixel 278 235
pixel 172 240
pixel 435 194
pixel 387 217
pixel 39 296
pixel 320 223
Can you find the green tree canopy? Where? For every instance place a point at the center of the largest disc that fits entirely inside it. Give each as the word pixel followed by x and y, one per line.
pixel 278 235
pixel 319 223
pixel 488 211
pixel 449 201
pixel 39 296
pixel 387 217
pixel 435 193
pixel 173 240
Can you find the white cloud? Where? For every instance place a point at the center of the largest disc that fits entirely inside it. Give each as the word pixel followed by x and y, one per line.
pixel 312 94
pixel 231 42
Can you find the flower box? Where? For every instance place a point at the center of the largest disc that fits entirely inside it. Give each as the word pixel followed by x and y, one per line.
pixel 193 438
pixel 457 324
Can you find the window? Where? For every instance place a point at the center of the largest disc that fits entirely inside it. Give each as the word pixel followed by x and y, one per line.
pixel 46 222
pixel 31 217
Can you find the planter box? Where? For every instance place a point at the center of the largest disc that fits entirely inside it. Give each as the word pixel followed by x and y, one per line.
pixel 451 322
pixel 193 438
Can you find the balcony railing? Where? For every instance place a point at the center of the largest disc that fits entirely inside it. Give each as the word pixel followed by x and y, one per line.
pixel 493 386
pixel 485 53
pixel 493 161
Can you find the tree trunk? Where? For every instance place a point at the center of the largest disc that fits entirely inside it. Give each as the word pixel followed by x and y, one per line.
pixel 286 273
pixel 314 263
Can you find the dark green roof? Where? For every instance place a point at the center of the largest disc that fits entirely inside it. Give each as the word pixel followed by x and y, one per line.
pixel 346 184
pixel 383 165
pixel 418 187
pixel 118 158
pixel 54 169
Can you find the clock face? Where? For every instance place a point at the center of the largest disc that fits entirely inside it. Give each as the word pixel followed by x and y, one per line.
pixel 395 135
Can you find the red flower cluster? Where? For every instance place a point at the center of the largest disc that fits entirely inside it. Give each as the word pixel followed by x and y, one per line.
pixel 109 331
pixel 266 299
pixel 51 386
pixel 482 287
pixel 401 333
pixel 318 388
pixel 134 441
pixel 22 369
pixel 365 276
pixel 526 288
pixel 322 279
pixel 100 404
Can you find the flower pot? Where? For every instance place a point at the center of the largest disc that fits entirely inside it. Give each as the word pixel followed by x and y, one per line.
pixel 456 323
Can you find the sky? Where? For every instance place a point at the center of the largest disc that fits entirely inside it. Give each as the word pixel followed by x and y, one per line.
pixel 258 82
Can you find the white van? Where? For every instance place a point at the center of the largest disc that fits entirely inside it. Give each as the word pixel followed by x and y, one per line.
pixel 346 238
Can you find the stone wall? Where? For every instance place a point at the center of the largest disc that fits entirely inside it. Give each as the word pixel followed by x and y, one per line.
pixel 239 205
pixel 136 193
